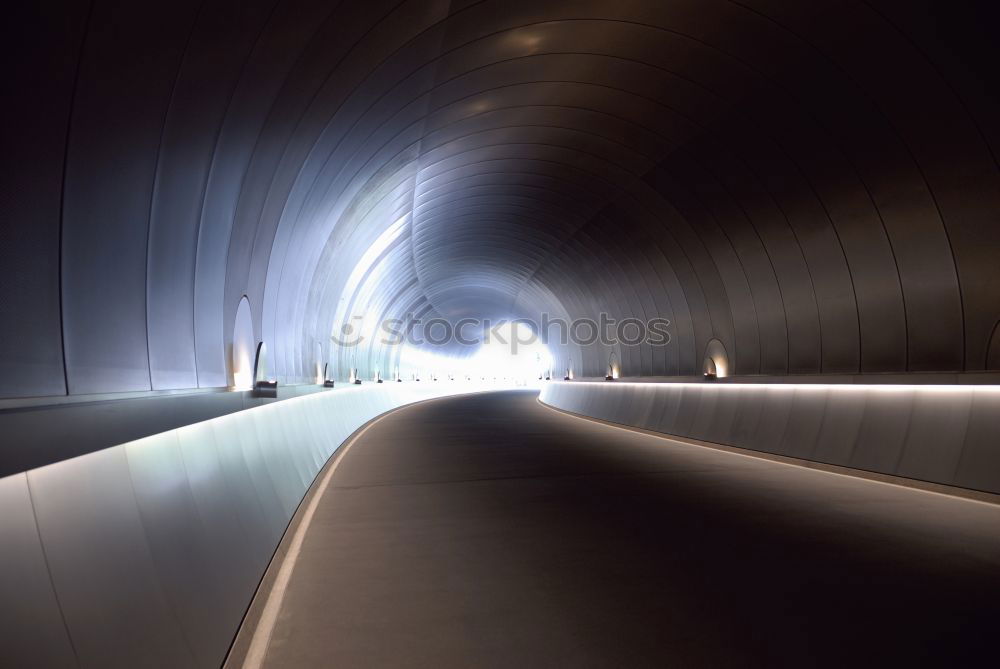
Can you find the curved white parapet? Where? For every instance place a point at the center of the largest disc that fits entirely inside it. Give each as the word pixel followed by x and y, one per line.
pixel 148 553
pixel 941 434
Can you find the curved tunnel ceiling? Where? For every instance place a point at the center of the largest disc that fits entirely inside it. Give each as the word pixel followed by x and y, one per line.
pixel 814 185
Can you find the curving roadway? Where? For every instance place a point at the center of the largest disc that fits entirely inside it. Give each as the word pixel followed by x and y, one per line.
pixel 492 531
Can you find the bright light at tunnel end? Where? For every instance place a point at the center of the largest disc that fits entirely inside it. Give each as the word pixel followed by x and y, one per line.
pixel 512 355
pixel 515 348
pixel 516 351
pixel 498 357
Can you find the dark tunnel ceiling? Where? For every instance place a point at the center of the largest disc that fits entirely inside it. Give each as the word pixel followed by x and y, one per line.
pixel 814 184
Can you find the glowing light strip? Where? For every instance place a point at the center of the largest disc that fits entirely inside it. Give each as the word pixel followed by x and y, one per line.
pixel 886 387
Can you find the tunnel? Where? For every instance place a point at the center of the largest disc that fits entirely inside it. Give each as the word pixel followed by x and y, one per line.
pixel 500 333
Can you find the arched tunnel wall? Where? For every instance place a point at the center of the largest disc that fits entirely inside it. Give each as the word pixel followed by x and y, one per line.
pixel 813 184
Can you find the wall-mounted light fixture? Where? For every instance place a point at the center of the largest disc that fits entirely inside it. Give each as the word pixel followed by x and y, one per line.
pixel 243 347
pixel 716 365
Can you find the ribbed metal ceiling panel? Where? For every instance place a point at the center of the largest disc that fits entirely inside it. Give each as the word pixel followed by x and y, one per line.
pixel 813 184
